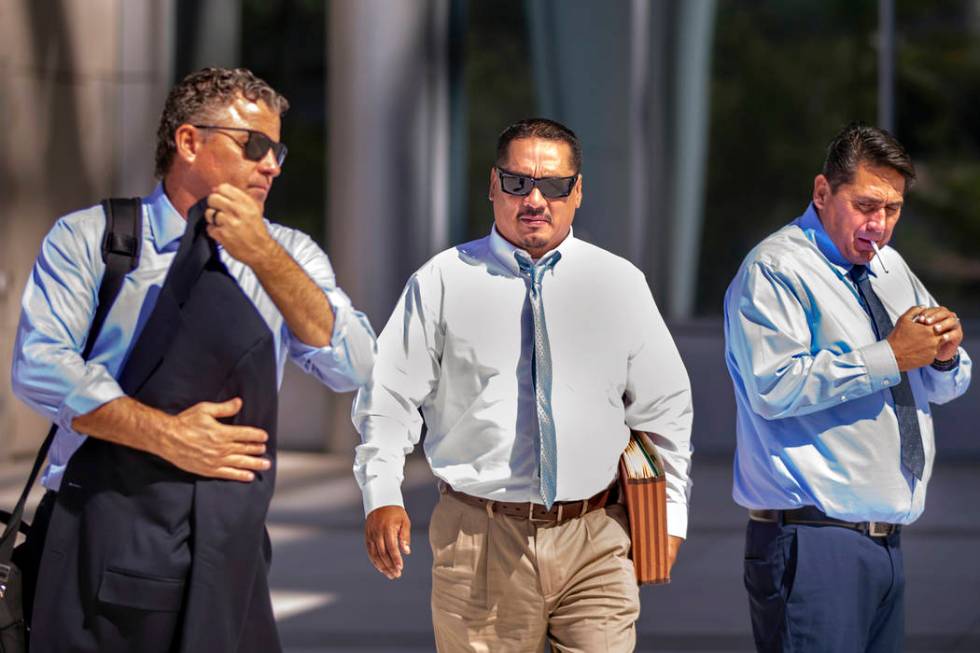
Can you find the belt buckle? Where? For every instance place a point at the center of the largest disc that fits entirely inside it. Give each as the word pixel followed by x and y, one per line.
pixel 879 529
pixel 531 517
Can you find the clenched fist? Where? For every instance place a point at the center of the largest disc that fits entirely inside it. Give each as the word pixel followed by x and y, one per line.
pixel 923 335
pixel 235 222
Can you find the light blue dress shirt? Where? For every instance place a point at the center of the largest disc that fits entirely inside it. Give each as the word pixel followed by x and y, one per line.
pixel 816 421
pixel 60 299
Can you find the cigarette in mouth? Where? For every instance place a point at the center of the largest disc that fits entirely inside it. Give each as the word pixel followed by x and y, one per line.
pixel 874 246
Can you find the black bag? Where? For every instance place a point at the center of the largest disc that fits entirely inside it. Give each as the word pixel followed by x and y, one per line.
pixel 13 636
pixel 121 252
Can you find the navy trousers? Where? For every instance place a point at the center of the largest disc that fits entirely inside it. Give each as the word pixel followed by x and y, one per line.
pixel 824 588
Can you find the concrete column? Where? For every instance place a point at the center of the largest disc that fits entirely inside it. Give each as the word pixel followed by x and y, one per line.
pixel 691 96
pixel 145 63
pixel 220 43
pixel 83 88
pixel 637 96
pixel 639 153
pixel 212 34
pixel 388 159
pixel 582 59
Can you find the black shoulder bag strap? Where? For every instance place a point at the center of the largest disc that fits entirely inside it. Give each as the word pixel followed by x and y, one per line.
pixel 121 253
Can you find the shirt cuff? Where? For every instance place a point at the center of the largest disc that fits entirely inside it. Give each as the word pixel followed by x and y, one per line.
pixel 380 492
pixel 341 311
pixel 882 366
pixel 952 383
pixel 677 519
pixel 97 387
pixel 345 363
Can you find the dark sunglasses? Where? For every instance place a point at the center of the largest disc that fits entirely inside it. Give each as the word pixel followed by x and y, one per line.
pixel 257 144
pixel 550 187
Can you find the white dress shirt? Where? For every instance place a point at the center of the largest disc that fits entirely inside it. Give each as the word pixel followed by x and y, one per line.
pixel 816 419
pixel 458 346
pixel 61 296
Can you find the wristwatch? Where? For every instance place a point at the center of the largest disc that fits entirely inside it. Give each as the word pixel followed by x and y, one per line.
pixel 946 366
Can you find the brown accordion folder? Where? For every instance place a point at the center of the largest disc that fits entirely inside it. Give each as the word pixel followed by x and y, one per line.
pixel 644 491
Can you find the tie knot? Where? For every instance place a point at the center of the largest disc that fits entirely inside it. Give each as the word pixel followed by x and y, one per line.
pixel 859 273
pixel 535 270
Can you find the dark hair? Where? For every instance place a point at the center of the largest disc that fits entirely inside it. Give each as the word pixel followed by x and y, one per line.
pixel 860 143
pixel 199 95
pixel 539 128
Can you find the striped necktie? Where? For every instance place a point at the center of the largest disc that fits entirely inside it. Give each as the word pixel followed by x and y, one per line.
pixel 533 273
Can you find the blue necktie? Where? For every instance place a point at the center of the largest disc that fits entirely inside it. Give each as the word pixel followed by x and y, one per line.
pixel 541 374
pixel 913 457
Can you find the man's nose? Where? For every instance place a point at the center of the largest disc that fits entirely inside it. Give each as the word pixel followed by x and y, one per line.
pixel 269 164
pixel 535 198
pixel 876 221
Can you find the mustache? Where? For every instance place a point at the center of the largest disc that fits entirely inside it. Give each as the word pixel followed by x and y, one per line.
pixel 534 212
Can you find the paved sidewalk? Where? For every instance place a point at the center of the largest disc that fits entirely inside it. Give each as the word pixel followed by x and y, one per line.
pixel 329 599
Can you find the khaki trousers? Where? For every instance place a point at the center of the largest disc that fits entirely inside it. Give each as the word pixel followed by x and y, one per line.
pixel 507 585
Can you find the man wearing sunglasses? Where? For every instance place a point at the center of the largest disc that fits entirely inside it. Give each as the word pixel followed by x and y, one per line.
pixel 163 465
pixel 531 354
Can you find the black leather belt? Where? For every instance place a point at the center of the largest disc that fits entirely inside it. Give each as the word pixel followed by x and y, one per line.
pixel 812 516
pixel 561 511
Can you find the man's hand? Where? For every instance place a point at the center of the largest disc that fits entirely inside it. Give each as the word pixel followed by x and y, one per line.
pixel 202 445
pixel 946 325
pixel 914 342
pixel 673 546
pixel 193 440
pixel 235 222
pixel 387 534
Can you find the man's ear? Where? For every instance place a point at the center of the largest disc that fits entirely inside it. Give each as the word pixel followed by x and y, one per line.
pixel 821 191
pixel 578 191
pixel 187 143
pixel 493 180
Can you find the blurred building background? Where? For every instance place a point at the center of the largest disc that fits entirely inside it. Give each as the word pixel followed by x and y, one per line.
pixel 703 123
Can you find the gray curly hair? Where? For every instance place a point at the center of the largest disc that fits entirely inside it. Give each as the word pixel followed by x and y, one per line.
pixel 199 95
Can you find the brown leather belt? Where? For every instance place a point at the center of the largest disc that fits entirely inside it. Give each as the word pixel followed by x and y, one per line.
pixel 813 516
pixel 561 511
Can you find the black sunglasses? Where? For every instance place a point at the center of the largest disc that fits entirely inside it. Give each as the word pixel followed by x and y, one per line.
pixel 550 187
pixel 257 144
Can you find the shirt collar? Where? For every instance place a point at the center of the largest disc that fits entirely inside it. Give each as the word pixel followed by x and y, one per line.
pixel 504 250
pixel 166 224
pixel 813 229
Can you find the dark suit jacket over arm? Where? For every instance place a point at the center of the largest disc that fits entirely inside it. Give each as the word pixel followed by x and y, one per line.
pixel 141 556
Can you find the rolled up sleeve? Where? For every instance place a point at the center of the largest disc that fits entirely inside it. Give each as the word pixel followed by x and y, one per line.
pixel 346 363
pixel 58 305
